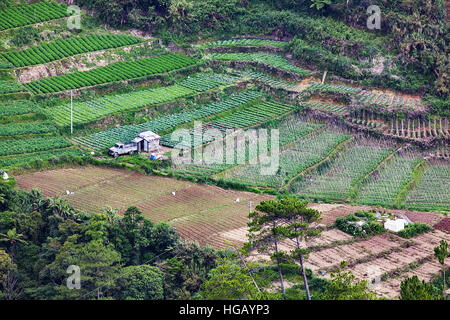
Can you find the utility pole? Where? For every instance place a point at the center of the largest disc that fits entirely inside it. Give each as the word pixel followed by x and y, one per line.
pixel 324 76
pixel 71 112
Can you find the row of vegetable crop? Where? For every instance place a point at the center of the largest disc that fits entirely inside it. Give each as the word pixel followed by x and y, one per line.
pixel 7 86
pixel 383 188
pixel 18 107
pixel 20 146
pixel 290 130
pixel 29 14
pixel 325 107
pixel 63 48
pixel 203 82
pixel 336 181
pixel 244 43
pixel 433 190
pixel 85 112
pixel 32 159
pixel 268 80
pixel 114 72
pixel 106 139
pixel 292 160
pixel 271 60
pixel 248 116
pixel 26 128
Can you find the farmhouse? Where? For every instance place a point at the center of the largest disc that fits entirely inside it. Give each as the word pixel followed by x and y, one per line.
pixel 147 141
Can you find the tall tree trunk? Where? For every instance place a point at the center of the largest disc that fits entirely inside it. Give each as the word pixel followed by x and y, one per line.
pixel 305 280
pixel 278 261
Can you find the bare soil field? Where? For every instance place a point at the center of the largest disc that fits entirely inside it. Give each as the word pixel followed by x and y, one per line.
pixel 217 217
pixel 199 213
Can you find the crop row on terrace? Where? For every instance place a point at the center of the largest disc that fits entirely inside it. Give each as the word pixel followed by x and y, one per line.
pixel 203 82
pixel 290 130
pixel 244 43
pixel 326 107
pixel 383 188
pixel 63 48
pixel 13 146
pixel 246 117
pixel 271 60
pixel 18 107
pixel 104 139
pixel 433 190
pixel 294 159
pixel 30 14
pixel 367 96
pixel 30 159
pixel 86 112
pixel 114 72
pixel 7 86
pixel 26 128
pixel 338 179
pixel 268 80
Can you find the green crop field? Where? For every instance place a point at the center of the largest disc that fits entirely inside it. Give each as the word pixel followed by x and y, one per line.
pixel 271 60
pixel 107 138
pixel 384 188
pixel 244 43
pixel 63 48
pixel 433 191
pixel 85 112
pixel 337 180
pixel 114 72
pixel 29 14
pixel 292 160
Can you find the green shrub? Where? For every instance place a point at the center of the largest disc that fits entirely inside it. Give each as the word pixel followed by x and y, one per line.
pixel 413 230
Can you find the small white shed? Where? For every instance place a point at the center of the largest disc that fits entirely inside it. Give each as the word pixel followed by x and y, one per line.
pixel 148 140
pixel 395 225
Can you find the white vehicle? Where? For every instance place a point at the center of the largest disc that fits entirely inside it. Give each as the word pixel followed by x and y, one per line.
pixel 121 149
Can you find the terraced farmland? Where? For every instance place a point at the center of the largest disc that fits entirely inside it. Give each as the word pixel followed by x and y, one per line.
pixel 290 130
pixel 27 128
pixel 86 112
pixel 30 14
pixel 326 107
pixel 249 116
pixel 12 147
pixel 292 160
pixel 203 82
pixel 270 60
pixel 63 48
pixel 106 139
pixel 244 43
pixel 433 190
pixel 383 188
pixel 337 180
pixel 114 72
pixel 194 210
pixel 268 80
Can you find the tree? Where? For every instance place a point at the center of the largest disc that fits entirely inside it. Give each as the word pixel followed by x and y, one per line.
pixel 441 253
pixel 99 267
pixel 267 220
pixel 12 238
pixel 343 286
pixel 142 282
pixel 301 222
pixel 228 281
pixel 319 4
pixel 413 289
